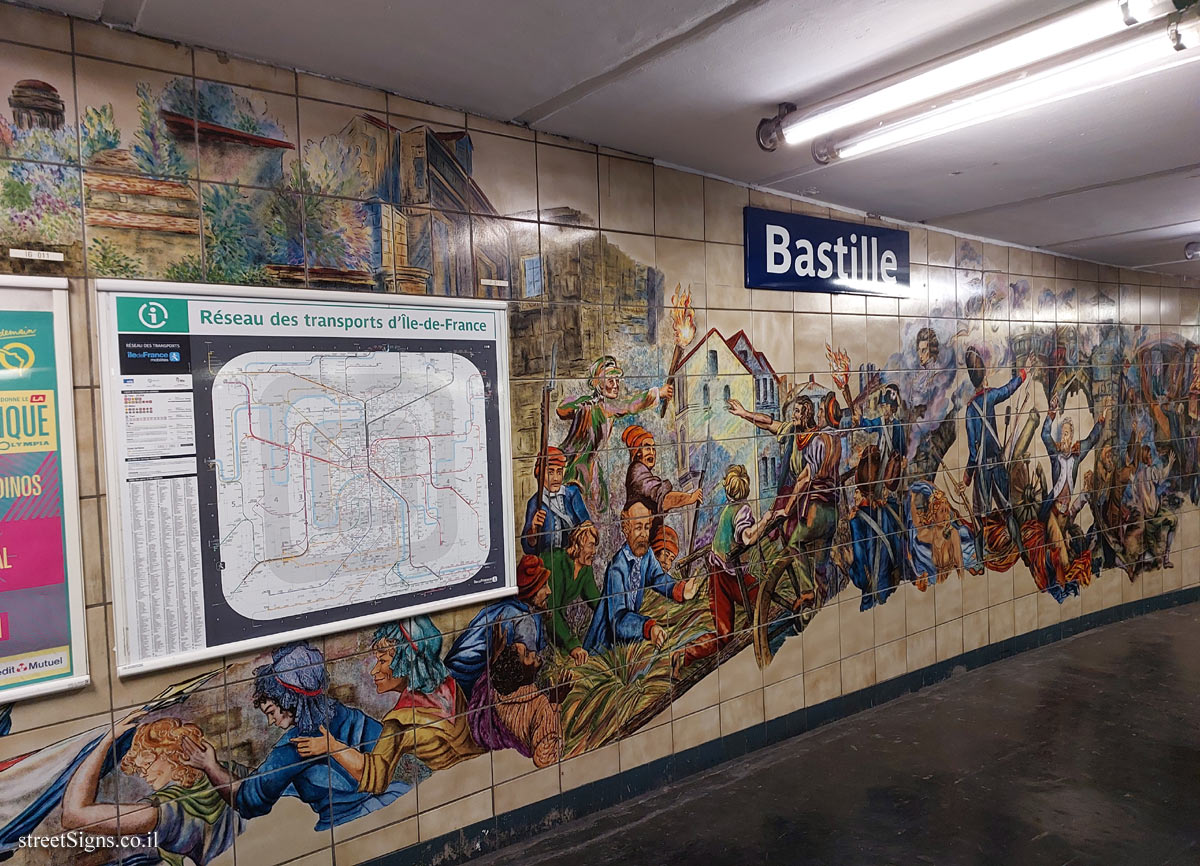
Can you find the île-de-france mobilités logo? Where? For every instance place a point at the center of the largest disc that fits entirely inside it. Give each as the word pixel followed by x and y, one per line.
pixel 16 356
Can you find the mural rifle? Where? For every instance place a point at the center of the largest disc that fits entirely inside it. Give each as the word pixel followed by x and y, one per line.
pixel 545 436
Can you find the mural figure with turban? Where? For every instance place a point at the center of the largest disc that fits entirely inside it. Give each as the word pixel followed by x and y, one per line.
pixel 291 692
pixel 642 485
pixel 496 661
pixel 591 417
pixel 618 617
pixel 665 544
pixel 561 510
pixel 430 716
pixel 190 817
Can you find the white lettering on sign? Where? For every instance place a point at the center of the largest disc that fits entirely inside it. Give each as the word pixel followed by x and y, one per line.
pixel 857 258
pixel 36 255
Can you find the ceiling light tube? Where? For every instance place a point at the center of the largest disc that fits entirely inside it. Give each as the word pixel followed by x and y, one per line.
pixel 1140 50
pixel 1050 37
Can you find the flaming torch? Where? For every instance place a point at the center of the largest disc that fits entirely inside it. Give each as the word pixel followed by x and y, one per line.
pixel 683 320
pixel 839 370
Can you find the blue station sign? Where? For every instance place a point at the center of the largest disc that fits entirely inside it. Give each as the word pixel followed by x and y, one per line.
pixel 799 253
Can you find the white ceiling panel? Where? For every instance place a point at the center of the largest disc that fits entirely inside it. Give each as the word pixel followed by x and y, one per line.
pixel 495 58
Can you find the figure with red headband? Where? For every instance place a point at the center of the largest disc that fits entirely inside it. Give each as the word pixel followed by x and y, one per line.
pixel 292 692
pixel 548 525
pixel 591 418
pixel 642 485
pixel 429 719
pixel 497 662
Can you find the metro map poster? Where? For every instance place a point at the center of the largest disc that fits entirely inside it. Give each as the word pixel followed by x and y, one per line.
pixel 287 466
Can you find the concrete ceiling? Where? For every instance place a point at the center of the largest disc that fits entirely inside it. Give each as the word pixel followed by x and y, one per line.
pixel 1113 176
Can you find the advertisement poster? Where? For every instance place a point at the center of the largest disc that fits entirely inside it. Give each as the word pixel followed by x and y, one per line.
pixel 287 466
pixel 35 609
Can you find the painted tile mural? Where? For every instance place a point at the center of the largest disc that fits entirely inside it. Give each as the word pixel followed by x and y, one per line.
pixel 720 493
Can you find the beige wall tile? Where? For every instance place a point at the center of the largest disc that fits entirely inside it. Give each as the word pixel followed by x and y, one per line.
pixel 857 628
pixel 727 279
pixel 922 649
pixel 590 767
pixel 288 834
pixel 367 846
pixel 246 73
pixel 683 263
pixel 783 697
pixel 812 208
pixel 100 41
pixel 533 788
pixel 1049 611
pixel 626 195
pixel 742 712
pixel 918 609
pixel 941 249
pixel 1001 622
pixel 891 659
pixel 787 663
pixel 509 764
pixel 947 598
pixel 341 92
pixel 739 675
pixel 93 551
pixel 460 780
pixel 975 630
pixel 506 169
pixel 822 639
pixel 889 618
pixel 567 185
pixel 858 671
pixel 35 28
pixel 645 746
pixel 400 105
pixel 696 729
pixel 823 684
pixel 85 442
pixel 949 639
pixel 1025 613
pixel 678 204
pixel 456 815
pixel 769 200
pixel 704 694
pixel 723 204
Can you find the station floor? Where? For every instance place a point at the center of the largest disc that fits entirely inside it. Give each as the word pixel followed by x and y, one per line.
pixel 1085 751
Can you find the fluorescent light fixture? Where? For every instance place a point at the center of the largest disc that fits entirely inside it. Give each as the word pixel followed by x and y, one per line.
pixel 1048 38
pixel 1143 50
pixel 1141 11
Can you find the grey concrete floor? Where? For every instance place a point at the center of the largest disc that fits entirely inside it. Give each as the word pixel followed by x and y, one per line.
pixel 1086 751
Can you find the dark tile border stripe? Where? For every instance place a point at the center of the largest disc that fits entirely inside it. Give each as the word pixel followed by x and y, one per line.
pixel 495 833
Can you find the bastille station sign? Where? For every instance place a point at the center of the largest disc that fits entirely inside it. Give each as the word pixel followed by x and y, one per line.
pixel 798 253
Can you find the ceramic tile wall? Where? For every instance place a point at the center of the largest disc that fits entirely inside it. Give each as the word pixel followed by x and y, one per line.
pixel 172 163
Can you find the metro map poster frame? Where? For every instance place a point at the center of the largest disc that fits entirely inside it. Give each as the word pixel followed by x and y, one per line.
pixel 229 539
pixel 26 302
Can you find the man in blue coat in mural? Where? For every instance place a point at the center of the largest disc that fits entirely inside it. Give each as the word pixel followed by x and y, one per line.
pixel 618 617
pixel 986 468
pixel 550 518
